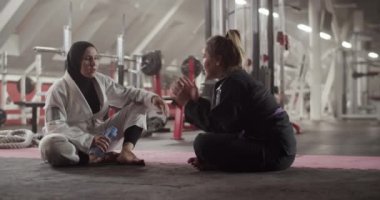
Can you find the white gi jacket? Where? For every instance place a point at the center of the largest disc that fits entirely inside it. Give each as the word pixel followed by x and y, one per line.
pixel 76 120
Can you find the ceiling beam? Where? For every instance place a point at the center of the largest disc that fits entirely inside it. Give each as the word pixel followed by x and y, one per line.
pixel 81 16
pixel 88 29
pixel 157 28
pixel 41 21
pixel 11 46
pixel 12 15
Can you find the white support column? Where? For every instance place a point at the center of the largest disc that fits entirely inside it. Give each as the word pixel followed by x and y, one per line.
pixel 329 83
pixel 120 59
pixel 38 64
pixel 315 60
pixel 282 51
pixel 138 75
pixel 361 83
pixel 339 85
pixel 222 17
pixel 38 93
pixel 66 39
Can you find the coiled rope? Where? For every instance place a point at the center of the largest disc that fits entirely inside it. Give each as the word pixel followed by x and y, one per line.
pixel 19 138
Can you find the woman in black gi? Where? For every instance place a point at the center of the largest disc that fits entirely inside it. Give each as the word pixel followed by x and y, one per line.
pixel 246 130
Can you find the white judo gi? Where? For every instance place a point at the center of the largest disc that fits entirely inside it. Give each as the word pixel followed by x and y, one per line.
pixel 74 126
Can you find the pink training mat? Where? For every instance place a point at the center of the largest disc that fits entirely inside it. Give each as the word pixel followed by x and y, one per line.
pixel 170 157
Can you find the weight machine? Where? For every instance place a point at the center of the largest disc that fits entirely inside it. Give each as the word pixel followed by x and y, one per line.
pixel 191 67
pixel 36 66
pixel 3 71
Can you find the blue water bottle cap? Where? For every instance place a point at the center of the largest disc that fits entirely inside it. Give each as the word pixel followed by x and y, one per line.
pixel 111 132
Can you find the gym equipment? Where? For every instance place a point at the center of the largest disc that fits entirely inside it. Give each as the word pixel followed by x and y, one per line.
pixel 356 74
pixel 26 85
pixel 197 67
pixel 29 85
pixel 191 67
pixel 3 117
pixel 4 72
pixel 15 139
pixel 156 121
pixel 34 106
pixel 151 63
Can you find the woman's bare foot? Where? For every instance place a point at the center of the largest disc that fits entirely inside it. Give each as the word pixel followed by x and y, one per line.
pixel 129 158
pixel 93 159
pixel 109 157
pixel 200 166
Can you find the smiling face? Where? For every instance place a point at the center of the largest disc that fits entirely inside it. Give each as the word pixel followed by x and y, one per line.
pixel 89 63
pixel 211 65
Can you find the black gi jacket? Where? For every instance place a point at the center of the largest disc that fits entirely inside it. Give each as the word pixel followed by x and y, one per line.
pixel 244 107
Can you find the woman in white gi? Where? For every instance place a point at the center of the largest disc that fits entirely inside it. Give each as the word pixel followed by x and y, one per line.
pixel 76 106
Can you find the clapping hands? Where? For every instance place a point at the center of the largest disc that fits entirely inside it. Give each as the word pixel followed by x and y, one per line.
pixel 184 90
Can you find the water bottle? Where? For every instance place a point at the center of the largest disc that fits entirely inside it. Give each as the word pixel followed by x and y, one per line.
pixel 111 134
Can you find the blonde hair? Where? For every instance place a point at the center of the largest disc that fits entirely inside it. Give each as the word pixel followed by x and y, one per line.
pixel 234 36
pixel 219 46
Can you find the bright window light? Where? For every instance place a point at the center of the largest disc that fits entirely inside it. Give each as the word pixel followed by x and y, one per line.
pixel 373 55
pixel 240 2
pixel 308 29
pixel 265 12
pixel 346 45
pixel 325 36
pixel 304 27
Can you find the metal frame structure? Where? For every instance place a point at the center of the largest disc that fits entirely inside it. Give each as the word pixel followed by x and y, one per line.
pixel 3 71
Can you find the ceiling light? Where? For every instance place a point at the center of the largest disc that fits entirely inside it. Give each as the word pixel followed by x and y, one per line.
pixel 304 27
pixel 240 2
pixel 308 29
pixel 325 36
pixel 265 12
pixel 373 55
pixel 346 45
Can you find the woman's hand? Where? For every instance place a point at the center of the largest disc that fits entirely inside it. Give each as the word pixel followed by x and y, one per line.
pixel 160 104
pixel 184 90
pixel 101 142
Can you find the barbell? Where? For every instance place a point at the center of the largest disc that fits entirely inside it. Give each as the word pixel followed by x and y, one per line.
pixel 29 85
pixel 185 67
pixel 151 63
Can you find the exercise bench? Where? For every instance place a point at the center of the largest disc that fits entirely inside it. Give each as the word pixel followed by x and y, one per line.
pixel 34 105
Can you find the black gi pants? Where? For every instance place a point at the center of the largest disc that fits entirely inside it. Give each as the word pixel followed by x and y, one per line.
pixel 229 152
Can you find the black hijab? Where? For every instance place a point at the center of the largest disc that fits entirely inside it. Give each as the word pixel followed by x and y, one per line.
pixel 86 85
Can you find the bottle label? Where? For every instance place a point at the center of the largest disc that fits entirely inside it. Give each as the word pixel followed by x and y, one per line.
pixel 110 133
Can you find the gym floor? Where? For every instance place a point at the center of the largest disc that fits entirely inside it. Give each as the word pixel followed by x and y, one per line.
pixel 335 160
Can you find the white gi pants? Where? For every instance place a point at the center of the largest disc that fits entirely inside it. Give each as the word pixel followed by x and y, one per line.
pixel 57 150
